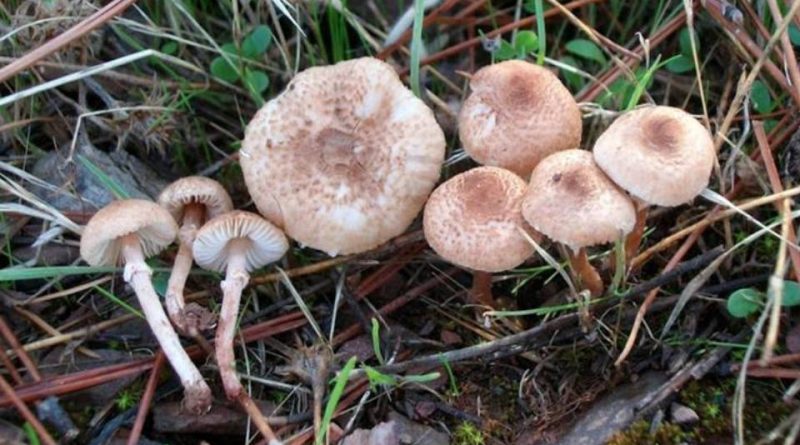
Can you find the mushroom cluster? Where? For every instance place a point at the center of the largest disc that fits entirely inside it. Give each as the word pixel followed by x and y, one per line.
pixel 345 159
pixel 521 120
pixel 342 161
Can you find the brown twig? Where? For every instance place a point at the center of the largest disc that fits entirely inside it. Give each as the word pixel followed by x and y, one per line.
pixel 86 26
pixel 15 345
pixel 147 398
pixel 26 413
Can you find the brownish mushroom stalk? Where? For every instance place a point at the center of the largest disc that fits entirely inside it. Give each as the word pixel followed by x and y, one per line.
pixel 132 230
pixel 660 155
pixel 191 201
pixel 236 243
pixel 473 220
pixel 517 114
pixel 344 159
pixel 571 201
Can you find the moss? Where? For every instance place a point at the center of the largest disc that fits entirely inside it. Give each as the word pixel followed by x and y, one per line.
pixel 467 434
pixel 639 434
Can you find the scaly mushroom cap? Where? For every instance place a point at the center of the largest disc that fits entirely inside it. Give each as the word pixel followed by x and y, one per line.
pixel 344 158
pixel 660 155
pixel 195 190
pixel 267 242
pixel 154 226
pixel 517 114
pixel 473 220
pixel 571 201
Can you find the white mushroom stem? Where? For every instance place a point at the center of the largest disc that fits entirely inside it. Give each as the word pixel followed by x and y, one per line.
pixel 634 239
pixel 197 394
pixel 193 216
pixel 236 279
pixel 585 272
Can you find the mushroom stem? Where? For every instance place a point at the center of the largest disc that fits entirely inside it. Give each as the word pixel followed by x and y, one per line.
pixel 482 288
pixel 634 239
pixel 586 273
pixel 193 216
pixel 236 278
pixel 197 394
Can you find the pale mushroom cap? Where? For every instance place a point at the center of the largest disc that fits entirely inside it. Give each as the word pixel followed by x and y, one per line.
pixel 267 242
pixel 571 201
pixel 661 155
pixel 344 159
pixel 473 220
pixel 195 190
pixel 154 226
pixel 517 114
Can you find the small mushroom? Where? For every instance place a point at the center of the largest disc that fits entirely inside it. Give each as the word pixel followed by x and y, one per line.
pixel 236 242
pixel 660 155
pixel 191 201
pixel 473 220
pixel 517 114
pixel 133 230
pixel 344 159
pixel 571 201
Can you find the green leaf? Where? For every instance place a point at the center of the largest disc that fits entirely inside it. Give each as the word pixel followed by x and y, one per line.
pixel 222 69
pixel 257 81
pixel 791 294
pixel 794 35
pixel 505 52
pixel 376 340
pixel 170 48
pixel 680 64
pixel 35 273
pixel 574 80
pixel 377 378
pixel 586 49
pixel 744 302
pixel 333 400
pixel 762 100
pixel 421 378
pixel 526 42
pixel 108 183
pixel 257 42
pixel 160 282
pixel 685 41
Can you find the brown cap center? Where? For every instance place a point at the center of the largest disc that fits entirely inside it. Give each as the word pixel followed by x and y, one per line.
pixel 337 148
pixel 662 133
pixel 484 196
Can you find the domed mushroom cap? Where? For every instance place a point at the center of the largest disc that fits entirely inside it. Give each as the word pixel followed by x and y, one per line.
pixel 154 226
pixel 661 155
pixel 267 242
pixel 571 201
pixel 472 220
pixel 517 114
pixel 344 159
pixel 195 190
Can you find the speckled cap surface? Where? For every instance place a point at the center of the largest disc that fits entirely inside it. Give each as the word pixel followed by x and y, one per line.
pixel 473 220
pixel 344 159
pixel 571 201
pixel 661 155
pixel 517 114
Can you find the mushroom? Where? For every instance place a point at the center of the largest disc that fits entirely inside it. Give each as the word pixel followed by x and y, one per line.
pixel 191 201
pixel 473 220
pixel 133 230
pixel 344 159
pixel 236 242
pixel 661 155
pixel 517 114
pixel 571 201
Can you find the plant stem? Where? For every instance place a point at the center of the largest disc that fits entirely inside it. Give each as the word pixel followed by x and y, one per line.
pixel 197 394
pixel 634 239
pixel 482 289
pixel 236 278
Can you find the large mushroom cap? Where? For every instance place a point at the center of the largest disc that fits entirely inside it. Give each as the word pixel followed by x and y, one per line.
pixel 267 242
pixel 195 190
pixel 517 114
pixel 473 220
pixel 344 158
pixel 571 201
pixel 661 155
pixel 154 226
